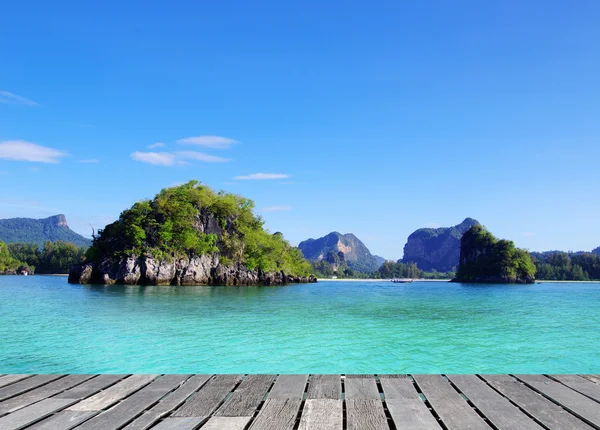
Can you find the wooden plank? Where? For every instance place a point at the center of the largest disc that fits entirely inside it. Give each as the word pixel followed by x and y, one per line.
pixel 226 423
pixel 594 378
pixel 277 414
pixel 40 393
pixel 179 423
pixel 169 403
pixel 361 388
pixel 9 379
pixel 64 420
pixel 579 384
pixel 90 387
pixel 576 403
pixel 499 411
pixel 453 410
pixel 289 387
pixel 408 410
pixel 26 385
pixel 112 395
pixel 324 387
pixel 542 409
pixel 365 414
pixel 246 398
pixel 32 413
pixel 322 414
pixel 125 411
pixel 210 396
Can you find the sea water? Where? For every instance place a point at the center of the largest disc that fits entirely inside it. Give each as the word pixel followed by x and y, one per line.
pixel 49 326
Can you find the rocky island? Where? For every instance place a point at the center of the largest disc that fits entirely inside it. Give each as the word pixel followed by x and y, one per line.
pixel 190 235
pixel 485 259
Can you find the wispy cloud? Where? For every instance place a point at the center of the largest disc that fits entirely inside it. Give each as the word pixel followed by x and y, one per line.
pixel 276 209
pixel 20 150
pixel 156 145
pixel 200 156
pixel 90 160
pixel 155 158
pixel 261 176
pixel 528 233
pixel 215 142
pixel 11 98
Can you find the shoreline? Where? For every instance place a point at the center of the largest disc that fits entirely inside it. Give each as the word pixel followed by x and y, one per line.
pixel 376 280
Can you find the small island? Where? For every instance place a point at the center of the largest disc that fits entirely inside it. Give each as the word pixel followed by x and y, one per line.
pixel 190 235
pixel 485 259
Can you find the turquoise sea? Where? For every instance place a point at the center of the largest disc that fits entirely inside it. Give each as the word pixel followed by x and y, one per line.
pixel 49 326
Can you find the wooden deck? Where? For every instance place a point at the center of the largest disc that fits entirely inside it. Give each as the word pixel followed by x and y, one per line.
pixel 299 402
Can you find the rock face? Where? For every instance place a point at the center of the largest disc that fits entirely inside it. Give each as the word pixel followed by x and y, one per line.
pixel 203 270
pixel 356 254
pixel 436 249
pixel 39 231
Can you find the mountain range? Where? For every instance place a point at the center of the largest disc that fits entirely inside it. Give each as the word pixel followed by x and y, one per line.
pixel 39 231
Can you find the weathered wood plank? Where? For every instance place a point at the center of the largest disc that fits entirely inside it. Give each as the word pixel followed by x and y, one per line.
pixel 26 385
pixel 408 410
pixel 322 414
pixel 32 413
pixel 90 387
pixel 542 409
pixel 40 393
pixel 112 395
pixel 576 403
pixel 324 387
pixel 289 387
pixel 579 384
pixel 226 423
pixel 246 398
pixel 210 396
pixel 594 378
pixel 125 411
pixel 496 408
pixel 64 420
pixel 169 403
pixel 361 388
pixel 179 423
pixel 9 379
pixel 277 414
pixel 453 410
pixel 365 414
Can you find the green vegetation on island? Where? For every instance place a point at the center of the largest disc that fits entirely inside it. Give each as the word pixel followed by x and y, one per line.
pixel 53 258
pixel 485 259
pixel 567 266
pixel 8 264
pixel 40 231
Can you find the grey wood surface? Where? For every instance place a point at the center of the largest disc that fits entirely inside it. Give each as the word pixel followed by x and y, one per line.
pixel 226 423
pixel 365 414
pixel 211 395
pixel 497 409
pixel 169 403
pixel 324 387
pixel 277 414
pixel 408 410
pixel 25 385
pixel 64 420
pixel 582 385
pixel 179 423
pixel 542 409
pixel 578 404
pixel 593 378
pixel 453 410
pixel 361 388
pixel 32 413
pixel 9 379
pixel 322 414
pixel 134 405
pixel 289 387
pixel 90 387
pixel 246 397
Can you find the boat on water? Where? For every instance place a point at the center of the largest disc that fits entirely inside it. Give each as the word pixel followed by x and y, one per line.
pixel 402 281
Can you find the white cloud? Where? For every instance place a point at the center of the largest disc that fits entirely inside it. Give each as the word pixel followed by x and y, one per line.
pixel 528 233
pixel 276 209
pixel 20 150
pixel 215 142
pixel 156 158
pixel 261 176
pixel 10 98
pixel 200 156
pixel 156 145
pixel 91 160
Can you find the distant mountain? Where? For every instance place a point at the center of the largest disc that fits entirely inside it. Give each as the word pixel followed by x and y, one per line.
pixel 380 260
pixel 356 254
pixel 38 231
pixel 436 248
pixel 596 251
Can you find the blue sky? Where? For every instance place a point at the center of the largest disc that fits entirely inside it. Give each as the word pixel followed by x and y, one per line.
pixel 375 117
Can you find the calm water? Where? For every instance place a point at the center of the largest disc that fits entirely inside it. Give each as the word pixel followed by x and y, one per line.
pixel 49 326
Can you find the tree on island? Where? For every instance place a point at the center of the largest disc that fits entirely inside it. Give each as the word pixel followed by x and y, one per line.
pixel 485 259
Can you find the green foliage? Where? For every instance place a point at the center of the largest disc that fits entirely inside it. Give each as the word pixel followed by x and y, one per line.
pixel 39 231
pixel 192 219
pixel 484 258
pixel 7 262
pixel 563 266
pixel 54 257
